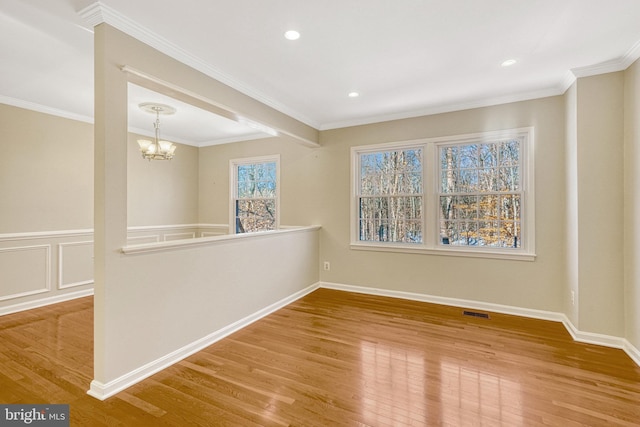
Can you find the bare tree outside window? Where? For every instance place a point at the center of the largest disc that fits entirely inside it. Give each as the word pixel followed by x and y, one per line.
pixel 481 194
pixel 390 199
pixel 255 203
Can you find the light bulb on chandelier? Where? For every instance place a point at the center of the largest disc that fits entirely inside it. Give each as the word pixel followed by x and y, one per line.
pixel 157 149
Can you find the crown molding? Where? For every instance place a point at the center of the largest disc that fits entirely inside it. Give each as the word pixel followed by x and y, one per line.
pixel 611 66
pixel 27 105
pixel 484 102
pixel 98 13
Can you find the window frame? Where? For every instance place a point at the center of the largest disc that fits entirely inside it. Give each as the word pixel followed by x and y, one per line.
pixel 233 184
pixel 431 242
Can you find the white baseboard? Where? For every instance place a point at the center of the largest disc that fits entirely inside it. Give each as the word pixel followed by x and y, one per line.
pixel 577 335
pixel 103 391
pixel 41 302
pixel 632 352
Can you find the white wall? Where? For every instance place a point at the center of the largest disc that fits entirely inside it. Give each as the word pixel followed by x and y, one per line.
pixel 163 305
pixel 148 306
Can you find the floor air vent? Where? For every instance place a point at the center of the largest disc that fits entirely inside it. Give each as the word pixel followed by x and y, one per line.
pixel 475 314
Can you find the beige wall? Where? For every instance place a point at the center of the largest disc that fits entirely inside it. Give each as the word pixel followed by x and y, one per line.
pixel 600 125
pixel 46 171
pixel 632 204
pixel 299 172
pixel 535 285
pixel 46 177
pixel 162 192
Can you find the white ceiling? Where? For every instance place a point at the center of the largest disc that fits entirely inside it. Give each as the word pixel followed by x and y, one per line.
pixel 405 58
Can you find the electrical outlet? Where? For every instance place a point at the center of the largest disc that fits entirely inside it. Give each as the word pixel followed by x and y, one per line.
pixel 573 298
pixel 327 265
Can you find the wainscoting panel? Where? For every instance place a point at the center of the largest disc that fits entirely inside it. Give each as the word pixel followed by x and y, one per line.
pixel 75 264
pixel 24 270
pixel 45 267
pixel 141 240
pixel 179 236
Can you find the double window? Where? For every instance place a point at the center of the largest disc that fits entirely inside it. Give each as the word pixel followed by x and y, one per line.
pixel 464 195
pixel 255 194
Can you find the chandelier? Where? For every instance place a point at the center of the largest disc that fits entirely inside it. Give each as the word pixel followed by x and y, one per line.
pixel 156 149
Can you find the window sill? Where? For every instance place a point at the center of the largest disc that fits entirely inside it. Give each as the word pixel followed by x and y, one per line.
pixel 454 251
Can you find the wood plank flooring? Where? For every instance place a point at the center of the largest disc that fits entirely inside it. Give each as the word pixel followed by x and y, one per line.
pixel 335 359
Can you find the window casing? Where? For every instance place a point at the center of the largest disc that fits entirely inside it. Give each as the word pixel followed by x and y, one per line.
pixel 465 195
pixel 255 194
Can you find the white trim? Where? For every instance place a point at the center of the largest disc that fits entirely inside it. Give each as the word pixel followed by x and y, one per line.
pixel 39 108
pixel 631 351
pixel 174 244
pixel 42 302
pixel 591 337
pixel 611 66
pixel 61 284
pixel 453 302
pixel 47 266
pixel 457 251
pixel 491 101
pixel 577 335
pixel 103 391
pixel 45 234
pixel 31 235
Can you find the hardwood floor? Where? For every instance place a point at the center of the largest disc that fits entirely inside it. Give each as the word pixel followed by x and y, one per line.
pixel 335 359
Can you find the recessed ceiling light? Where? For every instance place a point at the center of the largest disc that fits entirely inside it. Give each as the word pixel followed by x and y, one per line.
pixel 292 35
pixel 509 62
pixel 353 94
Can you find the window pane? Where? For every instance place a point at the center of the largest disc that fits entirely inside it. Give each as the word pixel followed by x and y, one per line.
pixel 489 233
pixel 467 233
pixel 510 153
pixel 448 179
pixel 487 180
pixel 467 181
pixel 510 234
pixel 509 179
pixel 510 207
pixel 391 219
pixel 391 172
pixel 488 207
pixel 488 156
pixel 466 207
pixel 467 156
pixel 255 215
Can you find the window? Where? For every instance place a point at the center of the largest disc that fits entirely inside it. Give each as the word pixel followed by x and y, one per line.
pixel 480 195
pixel 466 195
pixel 255 194
pixel 390 196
